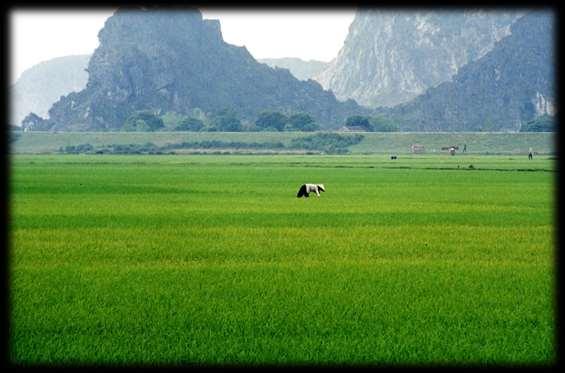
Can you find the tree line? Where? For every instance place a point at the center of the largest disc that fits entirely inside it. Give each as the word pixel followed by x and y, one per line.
pixel 228 121
pixel 269 121
pixel 222 121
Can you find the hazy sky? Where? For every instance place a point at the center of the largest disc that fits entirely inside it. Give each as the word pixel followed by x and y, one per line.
pixel 40 35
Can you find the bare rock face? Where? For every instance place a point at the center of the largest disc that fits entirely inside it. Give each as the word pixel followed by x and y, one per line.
pixel 512 84
pixel 172 60
pixel 391 56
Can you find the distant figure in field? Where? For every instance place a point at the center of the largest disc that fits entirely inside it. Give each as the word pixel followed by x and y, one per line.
pixel 452 150
pixel 464 148
pixel 530 154
pixel 393 157
pixel 306 189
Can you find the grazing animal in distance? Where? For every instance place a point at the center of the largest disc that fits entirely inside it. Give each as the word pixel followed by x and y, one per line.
pixel 306 189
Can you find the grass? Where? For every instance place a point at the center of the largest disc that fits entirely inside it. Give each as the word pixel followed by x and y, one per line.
pixel 212 260
pixel 477 142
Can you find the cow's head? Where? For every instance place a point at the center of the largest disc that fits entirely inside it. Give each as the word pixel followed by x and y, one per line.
pixel 321 187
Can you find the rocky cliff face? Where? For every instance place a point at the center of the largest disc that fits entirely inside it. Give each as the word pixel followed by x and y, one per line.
pixel 43 84
pixel 509 86
pixel 391 56
pixel 302 70
pixel 163 60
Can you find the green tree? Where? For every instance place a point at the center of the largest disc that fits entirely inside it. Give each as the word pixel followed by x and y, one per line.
pixel 359 121
pixel 225 120
pixel 301 122
pixel 143 121
pixel 544 123
pixel 383 124
pixel 190 124
pixel 271 121
pixel 172 119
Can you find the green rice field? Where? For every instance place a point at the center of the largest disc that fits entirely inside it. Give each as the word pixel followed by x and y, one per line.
pixel 203 259
pixel 373 142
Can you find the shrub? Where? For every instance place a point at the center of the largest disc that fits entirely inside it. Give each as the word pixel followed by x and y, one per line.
pixel 301 122
pixel 331 143
pixel 77 149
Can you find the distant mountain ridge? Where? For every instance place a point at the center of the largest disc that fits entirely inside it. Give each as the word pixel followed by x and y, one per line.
pixel 301 69
pixel 161 60
pixel 391 56
pixel 509 86
pixel 41 85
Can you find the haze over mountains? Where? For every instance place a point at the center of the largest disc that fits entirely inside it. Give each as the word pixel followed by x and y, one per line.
pixel 391 56
pixel 41 85
pixel 301 69
pixel 509 86
pixel 427 71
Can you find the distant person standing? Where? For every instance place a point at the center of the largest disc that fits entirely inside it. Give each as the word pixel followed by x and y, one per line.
pixel 530 154
pixel 464 148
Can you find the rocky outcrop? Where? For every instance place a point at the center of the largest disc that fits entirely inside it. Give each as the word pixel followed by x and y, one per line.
pixel 302 70
pixel 162 60
pixel 41 85
pixel 391 56
pixel 512 84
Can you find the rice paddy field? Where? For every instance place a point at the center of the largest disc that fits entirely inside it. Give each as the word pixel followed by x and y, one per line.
pixel 373 142
pixel 212 260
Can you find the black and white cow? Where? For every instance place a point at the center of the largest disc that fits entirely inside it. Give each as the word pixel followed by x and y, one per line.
pixel 306 189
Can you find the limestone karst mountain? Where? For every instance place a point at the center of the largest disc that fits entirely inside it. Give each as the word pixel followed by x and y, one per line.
pixel 391 56
pixel 498 78
pixel 173 60
pixel 512 84
pixel 43 84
